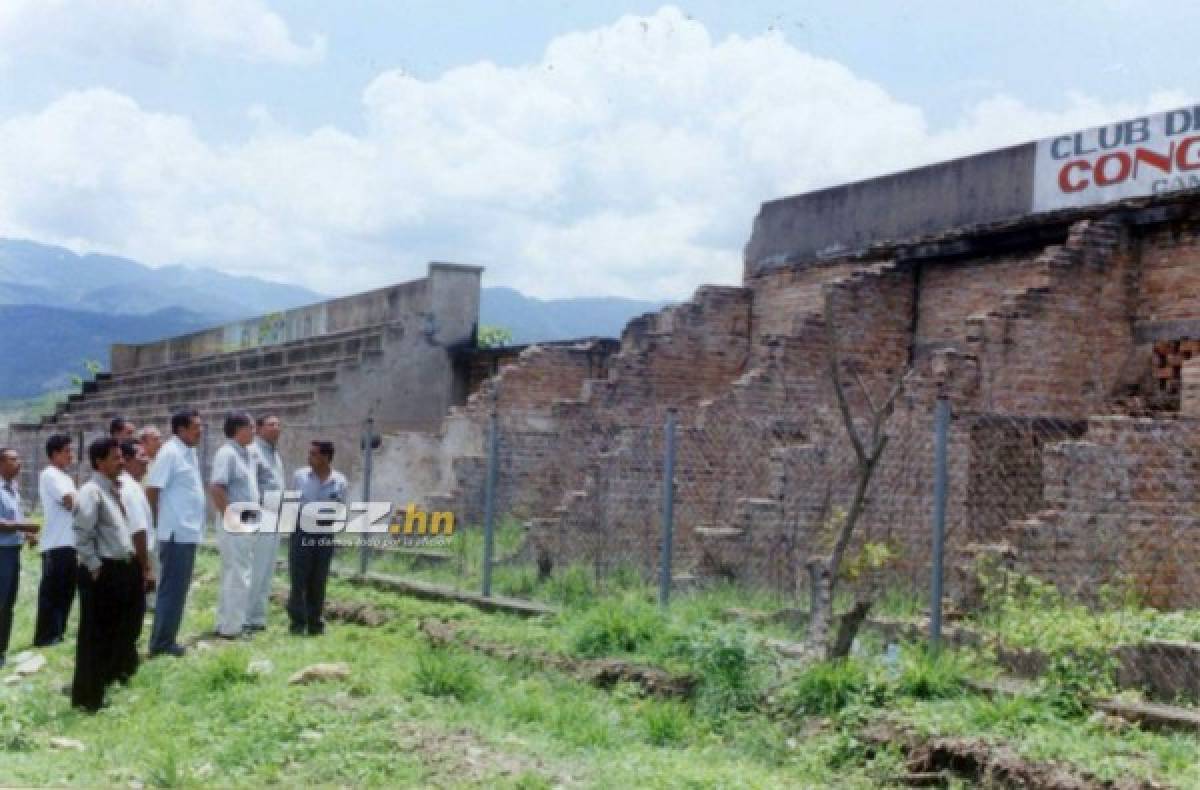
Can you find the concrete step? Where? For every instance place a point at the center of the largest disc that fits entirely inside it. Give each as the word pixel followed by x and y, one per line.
pixel 239 355
pixel 294 403
pixel 228 388
pixel 235 363
pixel 123 387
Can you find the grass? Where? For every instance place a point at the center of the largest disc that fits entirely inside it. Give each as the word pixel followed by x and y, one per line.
pixel 412 715
pixel 409 716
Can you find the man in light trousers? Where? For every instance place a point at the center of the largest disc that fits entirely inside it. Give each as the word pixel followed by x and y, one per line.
pixel 234 481
pixel 266 540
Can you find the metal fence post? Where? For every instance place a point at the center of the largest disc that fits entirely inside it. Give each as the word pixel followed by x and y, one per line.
pixel 941 436
pixel 489 506
pixel 368 439
pixel 668 511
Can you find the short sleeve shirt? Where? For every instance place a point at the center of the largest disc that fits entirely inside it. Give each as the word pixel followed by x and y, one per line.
pixel 137 508
pixel 58 530
pixel 182 507
pixel 10 510
pixel 269 466
pixel 312 489
pixel 234 468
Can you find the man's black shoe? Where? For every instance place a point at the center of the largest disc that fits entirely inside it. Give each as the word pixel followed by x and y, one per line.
pixel 252 627
pixel 296 630
pixel 175 651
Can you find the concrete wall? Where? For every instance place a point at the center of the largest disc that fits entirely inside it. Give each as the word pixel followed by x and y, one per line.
pixel 380 306
pixel 389 354
pixel 829 223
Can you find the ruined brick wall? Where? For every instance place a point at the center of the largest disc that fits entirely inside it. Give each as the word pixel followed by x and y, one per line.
pixel 1122 505
pixel 1029 345
pixel 951 292
pixel 1058 349
pixel 1169 287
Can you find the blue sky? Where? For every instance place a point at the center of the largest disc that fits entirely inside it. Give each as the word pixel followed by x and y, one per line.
pixel 572 148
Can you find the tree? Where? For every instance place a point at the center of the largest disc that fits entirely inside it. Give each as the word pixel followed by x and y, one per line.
pixel 92 367
pixel 493 337
pixel 825 570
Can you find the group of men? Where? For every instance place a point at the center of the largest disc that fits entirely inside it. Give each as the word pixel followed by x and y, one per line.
pixel 126 540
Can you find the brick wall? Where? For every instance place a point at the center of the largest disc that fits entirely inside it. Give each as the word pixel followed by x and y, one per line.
pixel 1041 342
pixel 1058 349
pixel 1170 274
pixel 951 292
pixel 1122 506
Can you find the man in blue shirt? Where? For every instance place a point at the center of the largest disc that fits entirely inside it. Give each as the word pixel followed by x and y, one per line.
pixel 310 552
pixel 14 531
pixel 175 491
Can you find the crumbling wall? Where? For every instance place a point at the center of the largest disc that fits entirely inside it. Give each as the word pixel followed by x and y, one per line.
pixel 1057 349
pixel 1122 506
pixel 1029 345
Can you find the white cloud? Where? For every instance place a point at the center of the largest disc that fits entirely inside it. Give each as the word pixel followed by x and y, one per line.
pixel 629 160
pixel 154 31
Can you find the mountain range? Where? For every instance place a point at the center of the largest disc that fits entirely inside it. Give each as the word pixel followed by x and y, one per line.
pixel 62 309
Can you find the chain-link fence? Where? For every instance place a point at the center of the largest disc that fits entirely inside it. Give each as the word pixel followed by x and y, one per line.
pixel 1056 536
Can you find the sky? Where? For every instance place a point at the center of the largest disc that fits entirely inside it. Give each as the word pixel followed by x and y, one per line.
pixel 571 148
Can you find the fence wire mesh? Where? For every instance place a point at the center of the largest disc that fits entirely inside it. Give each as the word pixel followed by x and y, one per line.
pixel 1063 537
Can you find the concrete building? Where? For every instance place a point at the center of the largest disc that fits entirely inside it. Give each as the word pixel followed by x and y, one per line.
pixel 391 354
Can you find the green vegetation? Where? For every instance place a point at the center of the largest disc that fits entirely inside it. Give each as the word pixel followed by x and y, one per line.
pixel 493 336
pixel 412 714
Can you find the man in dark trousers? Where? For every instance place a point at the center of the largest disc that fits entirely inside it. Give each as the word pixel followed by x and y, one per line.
pixel 310 552
pixel 15 531
pixel 175 492
pixel 111 581
pixel 56 592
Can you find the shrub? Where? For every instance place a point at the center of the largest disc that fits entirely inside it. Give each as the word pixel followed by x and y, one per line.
pixel 442 673
pixel 826 687
pixel 517 582
pixel 628 625
pixel 1073 678
pixel 931 675
pixel 574 587
pixel 664 722
pixel 226 669
pixel 731 672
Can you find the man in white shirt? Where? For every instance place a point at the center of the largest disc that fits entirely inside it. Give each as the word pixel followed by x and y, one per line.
pixel 150 439
pixel 176 493
pixel 56 592
pixel 234 480
pixel 137 508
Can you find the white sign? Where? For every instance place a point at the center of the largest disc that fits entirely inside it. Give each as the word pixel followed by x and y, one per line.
pixel 1151 155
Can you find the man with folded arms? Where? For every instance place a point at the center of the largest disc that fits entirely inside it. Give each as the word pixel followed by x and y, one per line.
pixel 56 592
pixel 111 581
pixel 137 513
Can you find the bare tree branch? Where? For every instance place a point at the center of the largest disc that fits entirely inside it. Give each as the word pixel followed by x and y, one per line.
pixel 835 369
pixel 862 385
